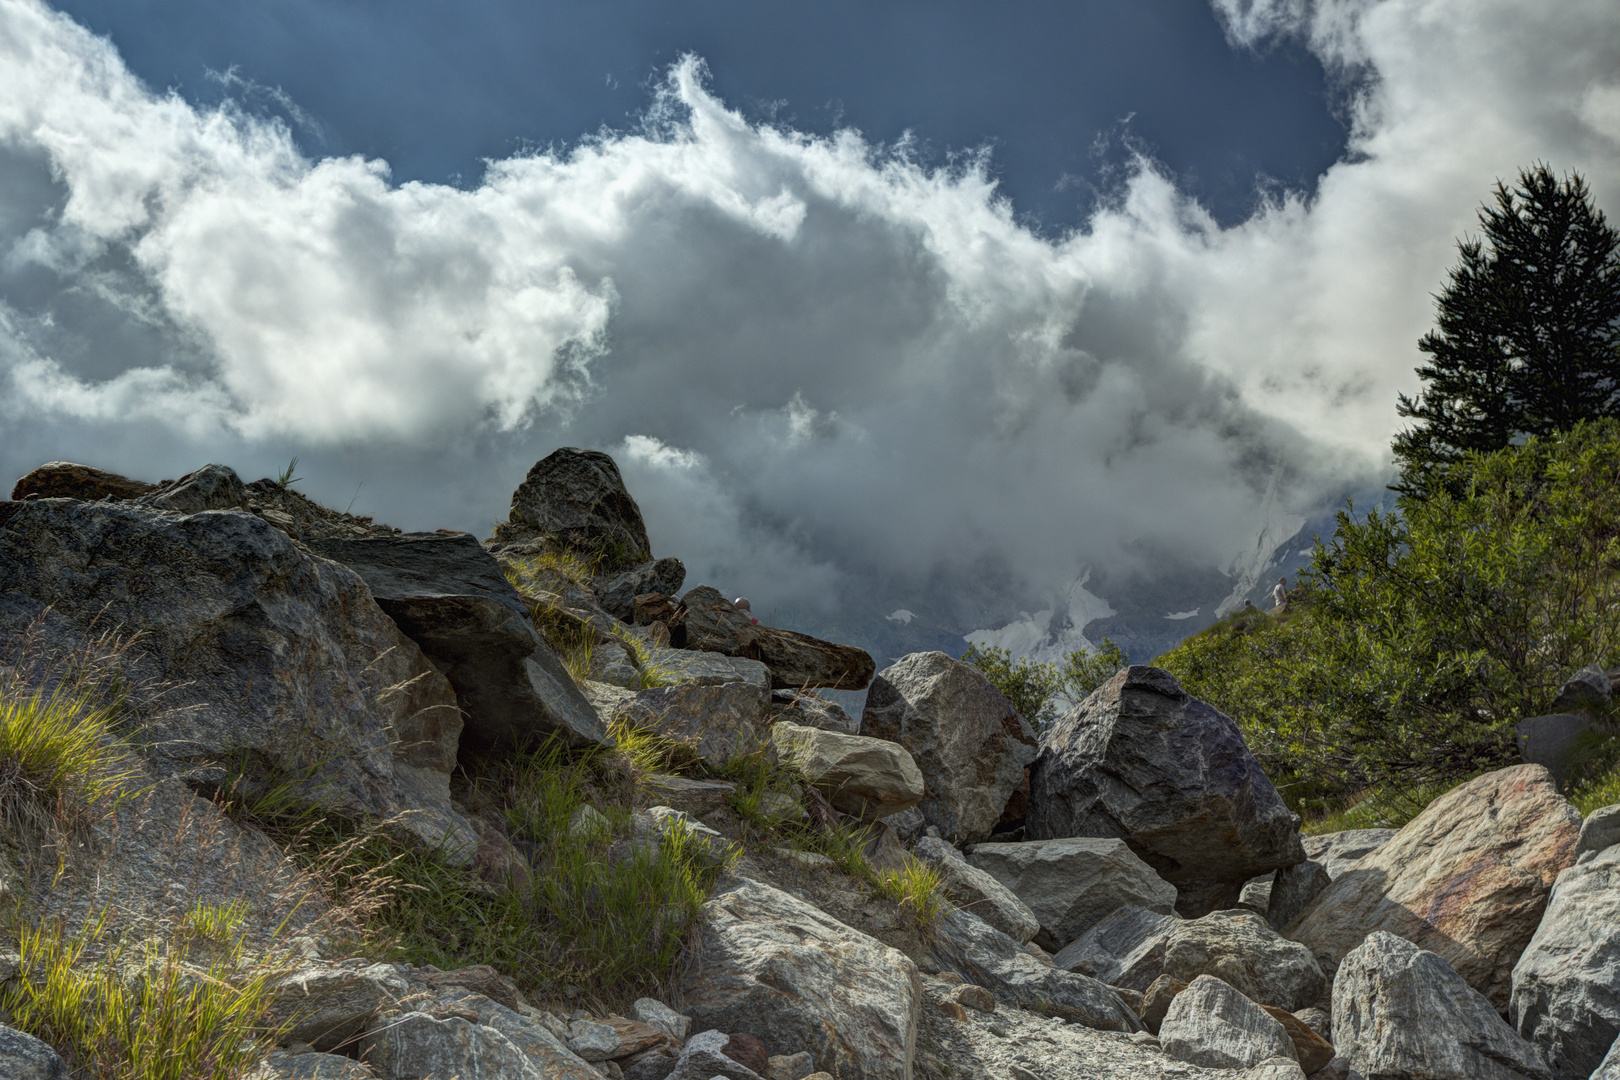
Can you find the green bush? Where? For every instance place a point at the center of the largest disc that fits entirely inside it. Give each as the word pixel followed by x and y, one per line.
pixel 1039 690
pixel 1418 638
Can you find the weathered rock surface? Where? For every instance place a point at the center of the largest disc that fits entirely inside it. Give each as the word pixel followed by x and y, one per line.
pixel 1337 852
pixel 1156 1000
pixel 869 778
pixel 1610 1069
pixel 1144 761
pixel 1292 889
pixel 713 669
pixel 1239 948
pixel 543 1049
pixel 1311 1050
pixel 1587 691
pixel 578 497
pixel 1213 1025
pixel 1467 879
pixel 449 595
pixel 655 1013
pixel 983 955
pixel 704 1058
pixel 311 1066
pixel 973 890
pixel 275 661
pixel 66 480
pixel 1551 740
pixel 1074 883
pixel 719 719
pixel 212 487
pixel 1400 1011
pixel 1125 949
pixel 23 1057
pixel 1600 831
pixel 617 592
pixel 327 1007
pixel 801 662
pixel 811 710
pixel 713 624
pixel 1566 985
pixel 772 963
pixel 967 739
pixel 419 1045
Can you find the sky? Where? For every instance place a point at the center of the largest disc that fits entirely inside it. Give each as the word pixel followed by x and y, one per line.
pixel 863 298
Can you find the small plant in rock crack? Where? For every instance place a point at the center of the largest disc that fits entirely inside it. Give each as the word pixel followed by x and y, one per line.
pixel 917 888
pixel 285 479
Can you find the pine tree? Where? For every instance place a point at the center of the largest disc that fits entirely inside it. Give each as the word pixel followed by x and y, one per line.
pixel 1527 339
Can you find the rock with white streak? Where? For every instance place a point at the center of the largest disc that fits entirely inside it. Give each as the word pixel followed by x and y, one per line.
pixel 972 889
pixel 1610 1069
pixel 655 1013
pixel 328 1006
pixel 1212 1025
pixel 419 1046
pixel 1125 949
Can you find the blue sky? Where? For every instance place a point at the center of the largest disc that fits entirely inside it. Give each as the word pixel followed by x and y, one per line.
pixel 1036 342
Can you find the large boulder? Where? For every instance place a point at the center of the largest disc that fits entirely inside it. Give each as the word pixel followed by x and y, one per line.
pixel 773 964
pixel 869 778
pixel 1467 878
pixel 1142 760
pixel 617 592
pixel 212 487
pixel 1599 832
pixel 65 480
pixel 1402 1012
pixel 1212 1025
pixel 417 1045
pixel 796 661
pixel 967 945
pixel 578 498
pixel 812 710
pixel 720 720
pixel 976 891
pixel 967 738
pixel 1566 985
pixel 328 1006
pixel 449 595
pixel 23 1057
pixel 1338 851
pixel 1125 949
pixel 1239 948
pixel 1552 740
pixel 1072 884
pixel 273 665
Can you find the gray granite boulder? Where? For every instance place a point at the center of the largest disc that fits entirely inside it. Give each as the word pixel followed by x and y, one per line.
pixel 1402 1012
pixel 1238 947
pixel 967 738
pixel 449 595
pixel 1566 985
pixel 1610 1069
pixel 811 710
pixel 869 778
pixel 419 1045
pixel 1125 949
pixel 617 592
pixel 720 719
pixel 1144 761
pixel 1338 851
pixel 1292 889
pixel 578 498
pixel 1600 831
pixel 704 1058
pixel 1072 884
pixel 1212 1025
pixel 971 889
pixel 212 487
pixel 328 1006
pixel 23 1057
pixel 276 665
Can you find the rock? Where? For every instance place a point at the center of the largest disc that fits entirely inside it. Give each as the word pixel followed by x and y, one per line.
pixel 542 1048
pixel 1402 1011
pixel 770 962
pixel 1212 1025
pixel 909 825
pixel 1125 949
pixel 479 979
pixel 884 852
pixel 65 480
pixel 1467 878
pixel 617 592
pixel 1587 691
pixel 1337 1069
pixel 23 1057
pixel 1566 985
pixel 636 1038
pixel 270 659
pixel 801 662
pixel 693 797
pixel 1256 893
pixel 866 777
pixel 719 720
pixel 967 739
pixel 1156 1000
pixel 653 1065
pixel 578 498
pixel 747 1050
pixel 1072 884
pixel 1311 1050
pixel 328 1007
pixel 1551 740
pixel 705 1058
pixel 974 997
pixel 654 823
pixel 1239 948
pixel 655 1013
pixel 593 1041
pixel 650 609
pixel 310 1066
pixel 212 487
pixel 712 669
pixel 980 954
pixel 1292 889
pixel 1610 1069
pixel 809 710
pixel 1142 760
pixel 449 595
pixel 1318 1020
pixel 790 1066
pixel 1337 852
pixel 1277 1068
pixel 615 665
pixel 1600 831
pixel 713 624
pixel 974 890
pixel 418 1045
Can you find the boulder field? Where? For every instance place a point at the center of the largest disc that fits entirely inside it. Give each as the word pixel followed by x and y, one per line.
pixel 1123 895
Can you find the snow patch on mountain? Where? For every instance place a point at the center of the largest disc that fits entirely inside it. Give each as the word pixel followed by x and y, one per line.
pixel 902 616
pixel 1050 634
pixel 1276 529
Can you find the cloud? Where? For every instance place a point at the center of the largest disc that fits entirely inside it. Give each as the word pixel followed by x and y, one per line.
pixel 823 367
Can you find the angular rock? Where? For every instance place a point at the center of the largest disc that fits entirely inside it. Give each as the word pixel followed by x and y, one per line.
pixel 328 1007
pixel 1337 852
pixel 1311 1050
pixel 967 739
pixel 212 487
pixel 980 954
pixel 1074 883
pixel 713 624
pixel 418 1045
pixel 637 1038
pixel 1610 1069
pixel 973 890
pixel 694 797
pixel 1552 740
pixel 653 1065
pixel 1238 947
pixel 449 595
pixel 23 1057
pixel 1277 1068
pixel 770 962
pixel 274 661
pixel 1600 831
pixel 1156 1000
pixel 712 669
pixel 65 480
pixel 479 979
pixel 1256 893
pixel 593 1041
pixel 1467 878
pixel 1566 985
pixel 578 498
pixel 810 710
pixel 791 1066
pixel 1401 1011
pixel 1587 691
pixel 869 778
pixel 311 1066
pixel 1144 761
pixel 1292 889
pixel 719 720
pixel 542 1048
pixel 801 662
pixel 1212 1025
pixel 617 592
pixel 747 1050
pixel 1125 949
pixel 705 1058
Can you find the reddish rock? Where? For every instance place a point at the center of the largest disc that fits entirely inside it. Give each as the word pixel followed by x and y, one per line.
pixel 749 1051
pixel 65 480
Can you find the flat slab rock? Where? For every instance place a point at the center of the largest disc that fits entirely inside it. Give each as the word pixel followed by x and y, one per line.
pixel 1144 761
pixel 770 962
pixel 1468 878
